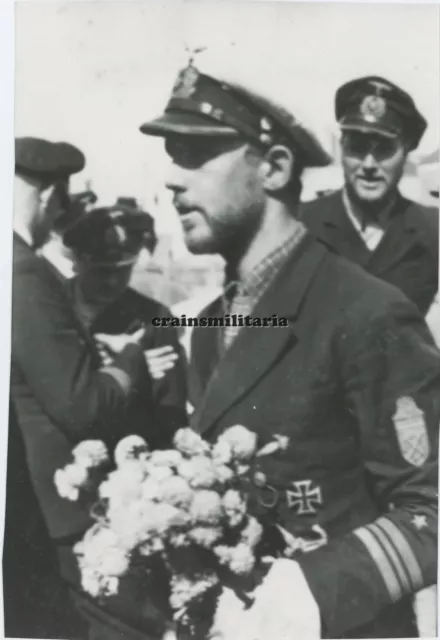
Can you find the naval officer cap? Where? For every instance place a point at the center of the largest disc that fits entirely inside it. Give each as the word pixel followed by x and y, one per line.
pixel 47 161
pixel 213 98
pixel 110 236
pixel 374 104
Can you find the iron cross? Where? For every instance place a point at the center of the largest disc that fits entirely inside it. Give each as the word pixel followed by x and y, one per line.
pixel 303 497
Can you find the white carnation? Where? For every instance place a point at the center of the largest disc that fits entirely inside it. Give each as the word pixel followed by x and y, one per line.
pixel 165 516
pixel 64 487
pixel 167 458
pixel 90 582
pixel 123 485
pixel 243 443
pixel 131 448
pixel 242 559
pixel 114 562
pixel 110 585
pixel 160 473
pixel 184 590
pixel 76 475
pixel 205 536
pixel 176 491
pixel 189 443
pixel 224 473
pixel 252 533
pixel 132 522
pixel 222 452
pixel 206 507
pixel 152 546
pixel 200 472
pixel 90 453
pixel 234 507
pixel 151 489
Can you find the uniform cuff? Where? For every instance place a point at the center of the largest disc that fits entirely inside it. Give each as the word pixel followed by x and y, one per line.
pixel 346 585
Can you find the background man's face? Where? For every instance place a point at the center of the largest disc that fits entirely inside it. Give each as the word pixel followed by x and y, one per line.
pixel 373 165
pixel 103 285
pixel 217 192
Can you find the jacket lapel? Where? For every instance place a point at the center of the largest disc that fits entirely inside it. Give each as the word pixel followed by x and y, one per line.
pixel 400 237
pixel 204 354
pixel 256 349
pixel 335 230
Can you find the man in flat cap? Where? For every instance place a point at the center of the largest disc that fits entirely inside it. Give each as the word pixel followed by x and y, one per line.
pixel 369 221
pixel 60 391
pixel 352 383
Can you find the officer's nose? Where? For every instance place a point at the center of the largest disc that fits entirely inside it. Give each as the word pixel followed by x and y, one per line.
pixel 369 162
pixel 176 179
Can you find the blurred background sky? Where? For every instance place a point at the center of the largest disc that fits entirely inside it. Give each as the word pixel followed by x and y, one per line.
pixel 92 72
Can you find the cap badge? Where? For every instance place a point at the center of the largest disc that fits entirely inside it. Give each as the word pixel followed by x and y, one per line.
pixel 116 215
pixel 373 108
pixel 186 82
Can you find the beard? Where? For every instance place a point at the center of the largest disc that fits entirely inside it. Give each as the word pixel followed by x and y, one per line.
pixel 228 233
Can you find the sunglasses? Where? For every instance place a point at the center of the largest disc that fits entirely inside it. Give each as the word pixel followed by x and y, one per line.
pixel 360 145
pixel 192 152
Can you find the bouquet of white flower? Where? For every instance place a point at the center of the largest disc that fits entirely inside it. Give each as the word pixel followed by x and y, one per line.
pixel 186 507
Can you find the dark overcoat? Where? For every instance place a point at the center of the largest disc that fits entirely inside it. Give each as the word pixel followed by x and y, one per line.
pixel 60 395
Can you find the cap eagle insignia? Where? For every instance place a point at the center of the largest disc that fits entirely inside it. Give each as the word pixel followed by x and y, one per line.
pixel 373 108
pixel 186 83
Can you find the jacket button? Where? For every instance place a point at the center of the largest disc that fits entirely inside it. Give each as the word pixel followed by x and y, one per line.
pixel 260 479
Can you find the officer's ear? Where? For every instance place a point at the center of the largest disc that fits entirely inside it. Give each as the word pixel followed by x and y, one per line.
pixel 278 168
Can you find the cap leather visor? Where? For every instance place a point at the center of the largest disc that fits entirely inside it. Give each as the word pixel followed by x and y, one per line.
pixel 368 127
pixel 186 124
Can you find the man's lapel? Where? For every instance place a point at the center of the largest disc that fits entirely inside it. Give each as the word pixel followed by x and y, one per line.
pixel 335 230
pixel 205 346
pixel 256 349
pixel 400 238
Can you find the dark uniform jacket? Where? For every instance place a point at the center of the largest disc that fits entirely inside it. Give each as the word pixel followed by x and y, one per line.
pixel 354 382
pixel 159 408
pixel 58 392
pixel 35 600
pixel 407 255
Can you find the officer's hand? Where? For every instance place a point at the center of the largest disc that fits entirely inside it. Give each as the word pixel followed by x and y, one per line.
pixel 116 344
pixel 160 360
pixel 284 606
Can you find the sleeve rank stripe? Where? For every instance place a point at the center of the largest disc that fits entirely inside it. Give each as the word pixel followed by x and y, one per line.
pixel 393 556
pixel 122 378
pixel 382 562
pixel 403 548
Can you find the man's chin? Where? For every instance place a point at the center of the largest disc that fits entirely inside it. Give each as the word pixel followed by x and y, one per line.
pixel 371 196
pixel 199 246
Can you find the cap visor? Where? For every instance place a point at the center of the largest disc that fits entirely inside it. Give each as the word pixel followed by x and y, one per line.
pixel 365 127
pixel 185 124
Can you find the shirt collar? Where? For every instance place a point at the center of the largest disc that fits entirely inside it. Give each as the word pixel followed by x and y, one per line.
pixel 253 283
pixel 361 222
